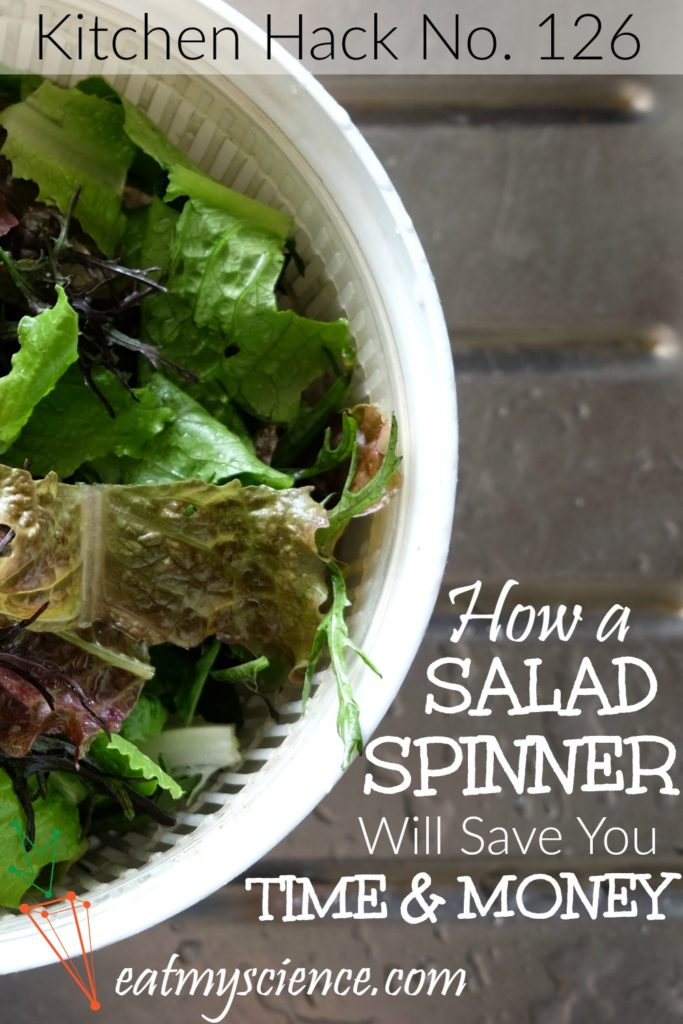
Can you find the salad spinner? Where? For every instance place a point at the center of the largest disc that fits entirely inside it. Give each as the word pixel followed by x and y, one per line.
pixel 281 138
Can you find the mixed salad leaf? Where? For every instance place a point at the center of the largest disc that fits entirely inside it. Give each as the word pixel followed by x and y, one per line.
pixel 52 682
pixel 54 812
pixel 48 345
pixel 66 141
pixel 172 563
pixel 178 459
pixel 333 634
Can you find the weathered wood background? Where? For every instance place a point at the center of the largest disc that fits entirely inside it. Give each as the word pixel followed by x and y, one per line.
pixel 552 213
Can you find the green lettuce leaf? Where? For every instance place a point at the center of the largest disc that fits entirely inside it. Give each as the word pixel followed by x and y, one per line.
pixel 333 635
pixel 71 426
pixel 120 757
pixel 221 317
pixel 166 319
pixel 58 830
pixel 174 562
pixel 66 140
pixel 184 181
pixel 147 718
pixel 185 176
pixel 310 423
pixel 195 446
pixel 48 346
pixel 148 240
pixel 159 433
pixel 218 300
pixel 148 137
pixel 155 152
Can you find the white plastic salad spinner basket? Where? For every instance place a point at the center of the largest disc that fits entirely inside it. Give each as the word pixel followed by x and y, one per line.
pixel 284 140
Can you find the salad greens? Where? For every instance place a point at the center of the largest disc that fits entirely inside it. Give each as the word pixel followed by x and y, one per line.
pixel 148 717
pixel 333 634
pixel 178 459
pixel 48 345
pixel 221 282
pixel 55 439
pixel 172 563
pixel 67 141
pixel 119 756
pixel 52 810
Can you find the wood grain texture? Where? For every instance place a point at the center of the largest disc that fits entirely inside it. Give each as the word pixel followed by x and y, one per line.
pixel 570 228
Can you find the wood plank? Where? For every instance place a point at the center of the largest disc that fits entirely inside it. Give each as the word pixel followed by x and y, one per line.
pixel 554 228
pixel 476 98
pixel 570 477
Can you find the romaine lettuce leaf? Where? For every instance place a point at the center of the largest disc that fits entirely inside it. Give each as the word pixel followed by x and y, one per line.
pixel 194 446
pixel 163 434
pixel 67 141
pixel 185 176
pixel 148 239
pixel 184 181
pixel 71 426
pixel 48 346
pixel 220 315
pixel 166 318
pixel 58 830
pixel 175 562
pixel 139 128
pixel 148 137
pixel 196 752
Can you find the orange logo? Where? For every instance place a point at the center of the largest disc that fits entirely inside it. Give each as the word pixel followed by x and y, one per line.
pixel 43 917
